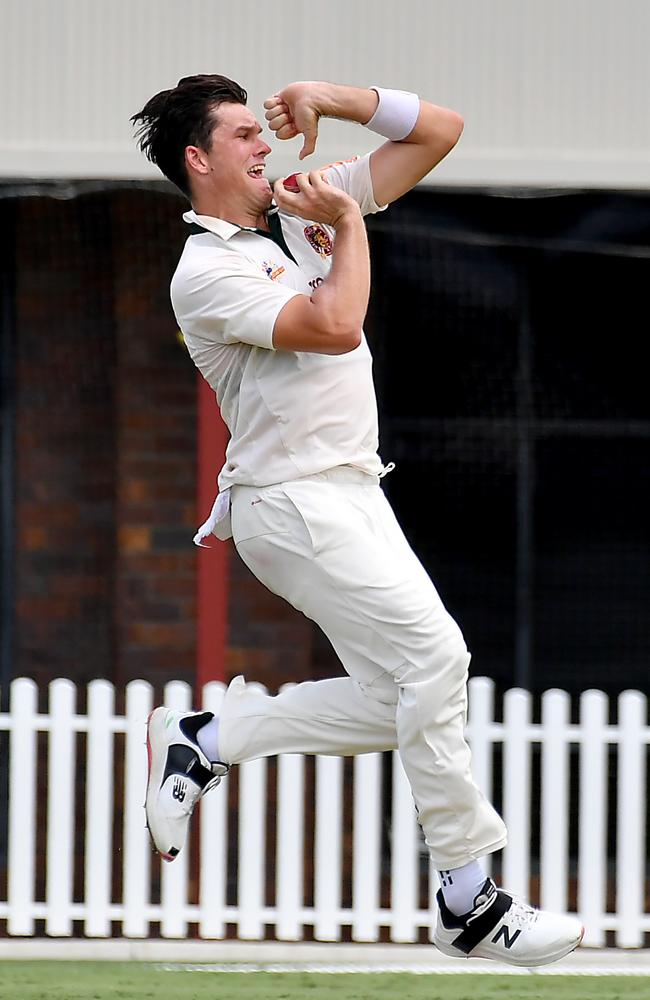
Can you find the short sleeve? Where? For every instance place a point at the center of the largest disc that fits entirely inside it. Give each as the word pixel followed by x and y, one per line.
pixel 353 177
pixel 223 298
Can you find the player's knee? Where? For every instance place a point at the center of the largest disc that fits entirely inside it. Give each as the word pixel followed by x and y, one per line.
pixel 446 658
pixel 457 648
pixel 453 657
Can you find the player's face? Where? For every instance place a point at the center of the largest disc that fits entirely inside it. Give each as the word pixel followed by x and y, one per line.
pixel 236 159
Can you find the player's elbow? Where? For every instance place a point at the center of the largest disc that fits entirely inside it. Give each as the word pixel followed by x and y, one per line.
pixel 333 326
pixel 344 337
pixel 454 127
pixel 349 342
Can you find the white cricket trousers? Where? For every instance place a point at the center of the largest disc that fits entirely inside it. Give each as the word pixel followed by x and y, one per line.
pixel 331 546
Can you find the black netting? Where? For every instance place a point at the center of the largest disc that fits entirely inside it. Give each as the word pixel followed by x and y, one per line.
pixel 508 330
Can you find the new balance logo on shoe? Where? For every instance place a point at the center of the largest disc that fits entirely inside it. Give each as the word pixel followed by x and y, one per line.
pixel 179 789
pixel 504 933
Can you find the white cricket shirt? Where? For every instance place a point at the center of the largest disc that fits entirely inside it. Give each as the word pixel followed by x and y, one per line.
pixel 289 413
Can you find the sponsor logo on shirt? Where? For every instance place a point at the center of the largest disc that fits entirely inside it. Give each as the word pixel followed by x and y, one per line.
pixel 319 240
pixel 272 271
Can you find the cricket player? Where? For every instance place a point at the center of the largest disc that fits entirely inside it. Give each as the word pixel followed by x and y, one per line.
pixel 270 293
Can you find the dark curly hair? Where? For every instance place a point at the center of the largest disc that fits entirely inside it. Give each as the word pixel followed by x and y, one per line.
pixel 180 117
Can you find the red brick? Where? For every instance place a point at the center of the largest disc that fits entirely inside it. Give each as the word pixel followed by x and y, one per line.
pixel 134 538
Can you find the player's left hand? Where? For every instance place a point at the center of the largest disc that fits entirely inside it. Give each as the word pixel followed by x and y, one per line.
pixel 295 111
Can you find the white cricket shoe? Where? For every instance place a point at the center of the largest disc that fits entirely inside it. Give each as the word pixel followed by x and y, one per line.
pixel 506 929
pixel 179 774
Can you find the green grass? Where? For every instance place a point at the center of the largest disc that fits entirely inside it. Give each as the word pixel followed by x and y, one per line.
pixel 137 981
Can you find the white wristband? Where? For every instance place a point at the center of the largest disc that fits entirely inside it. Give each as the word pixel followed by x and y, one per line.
pixel 396 114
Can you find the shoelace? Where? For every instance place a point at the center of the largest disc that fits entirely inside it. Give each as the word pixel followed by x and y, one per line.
pixel 522 914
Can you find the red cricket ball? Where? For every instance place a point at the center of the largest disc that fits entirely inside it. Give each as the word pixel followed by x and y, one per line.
pixel 291 184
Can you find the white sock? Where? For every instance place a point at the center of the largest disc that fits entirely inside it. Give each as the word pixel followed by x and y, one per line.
pixel 208 739
pixel 460 886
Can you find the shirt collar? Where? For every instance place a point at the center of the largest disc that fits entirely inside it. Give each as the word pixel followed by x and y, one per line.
pixel 217 226
pixel 226 230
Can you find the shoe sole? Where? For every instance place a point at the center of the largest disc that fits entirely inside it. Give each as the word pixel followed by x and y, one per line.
pixel 165 855
pixel 521 963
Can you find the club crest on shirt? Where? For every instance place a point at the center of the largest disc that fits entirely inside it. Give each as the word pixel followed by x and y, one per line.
pixel 319 240
pixel 272 271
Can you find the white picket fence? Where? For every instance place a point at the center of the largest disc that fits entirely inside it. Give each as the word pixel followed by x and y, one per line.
pixel 207 904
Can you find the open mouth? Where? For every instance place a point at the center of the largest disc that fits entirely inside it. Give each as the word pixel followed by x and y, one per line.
pixel 257 171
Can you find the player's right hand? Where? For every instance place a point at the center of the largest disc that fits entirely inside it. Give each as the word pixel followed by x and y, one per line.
pixel 316 200
pixel 295 111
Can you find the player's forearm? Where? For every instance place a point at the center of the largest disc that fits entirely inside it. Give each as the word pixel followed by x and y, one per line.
pixel 356 104
pixel 353 104
pixel 342 299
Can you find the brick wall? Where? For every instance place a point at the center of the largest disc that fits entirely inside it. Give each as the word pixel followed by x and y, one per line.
pixel 65 366
pixel 155 432
pixel 106 460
